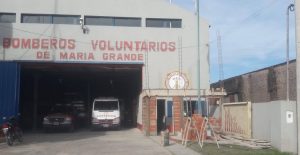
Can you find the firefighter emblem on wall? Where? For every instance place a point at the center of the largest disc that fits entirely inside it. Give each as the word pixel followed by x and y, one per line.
pixel 176 80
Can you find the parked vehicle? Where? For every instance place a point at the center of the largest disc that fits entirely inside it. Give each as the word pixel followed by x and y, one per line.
pixel 12 131
pixel 106 113
pixel 79 108
pixel 61 116
pixel 80 114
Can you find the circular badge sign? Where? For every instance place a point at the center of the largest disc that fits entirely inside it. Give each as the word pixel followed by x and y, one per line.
pixel 176 80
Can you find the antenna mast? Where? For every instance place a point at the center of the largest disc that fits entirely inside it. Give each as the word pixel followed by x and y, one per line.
pixel 220 60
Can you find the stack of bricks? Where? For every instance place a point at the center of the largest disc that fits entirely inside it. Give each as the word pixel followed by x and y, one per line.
pixel 198 120
pixel 214 122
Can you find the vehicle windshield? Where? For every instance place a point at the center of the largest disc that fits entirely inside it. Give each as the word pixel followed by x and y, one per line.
pixel 73 98
pixel 106 105
pixel 61 109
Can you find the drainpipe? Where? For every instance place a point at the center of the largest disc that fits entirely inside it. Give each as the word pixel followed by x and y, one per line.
pixel 198 53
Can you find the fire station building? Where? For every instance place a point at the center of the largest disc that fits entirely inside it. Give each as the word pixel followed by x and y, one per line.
pixel 143 52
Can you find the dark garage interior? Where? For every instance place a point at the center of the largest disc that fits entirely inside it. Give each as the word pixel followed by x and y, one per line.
pixel 43 85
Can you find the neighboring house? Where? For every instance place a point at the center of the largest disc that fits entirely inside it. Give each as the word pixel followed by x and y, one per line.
pixel 272 117
pixel 263 85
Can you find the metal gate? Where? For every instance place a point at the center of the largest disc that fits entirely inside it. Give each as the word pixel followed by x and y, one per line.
pixel 236 118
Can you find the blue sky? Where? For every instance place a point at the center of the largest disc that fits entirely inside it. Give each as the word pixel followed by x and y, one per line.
pixel 253 33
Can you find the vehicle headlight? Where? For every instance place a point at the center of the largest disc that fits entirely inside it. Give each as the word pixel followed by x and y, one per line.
pixel 5 130
pixel 94 119
pixel 116 120
pixel 68 119
pixel 46 120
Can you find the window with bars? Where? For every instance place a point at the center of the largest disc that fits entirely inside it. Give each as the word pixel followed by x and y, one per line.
pixel 7 17
pixel 163 23
pixel 113 21
pixel 50 19
pixel 190 107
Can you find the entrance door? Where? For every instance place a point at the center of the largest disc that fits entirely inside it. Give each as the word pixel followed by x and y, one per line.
pixel 160 115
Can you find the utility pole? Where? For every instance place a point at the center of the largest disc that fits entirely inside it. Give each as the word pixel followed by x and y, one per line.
pixel 198 54
pixel 54 29
pixel 221 74
pixel 289 9
pixel 220 60
pixel 297 4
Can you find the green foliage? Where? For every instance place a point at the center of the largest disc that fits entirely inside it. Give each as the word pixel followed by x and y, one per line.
pixel 212 149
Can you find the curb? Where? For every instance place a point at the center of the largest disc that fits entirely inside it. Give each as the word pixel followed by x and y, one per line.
pixel 158 142
pixel 175 140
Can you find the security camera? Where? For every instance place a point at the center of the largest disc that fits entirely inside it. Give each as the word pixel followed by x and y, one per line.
pixel 83 27
pixel 81 21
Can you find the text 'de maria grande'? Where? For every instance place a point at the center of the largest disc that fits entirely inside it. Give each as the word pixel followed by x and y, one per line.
pixel 90 56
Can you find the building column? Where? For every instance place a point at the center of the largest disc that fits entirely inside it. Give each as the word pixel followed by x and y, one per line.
pixel 177 113
pixel 146 116
pixel 35 101
pixel 152 115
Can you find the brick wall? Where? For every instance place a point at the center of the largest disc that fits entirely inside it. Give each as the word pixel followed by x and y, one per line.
pixel 145 116
pixel 149 120
pixel 264 85
pixel 246 89
pixel 152 114
pixel 259 86
pixel 198 120
pixel 281 80
pixel 293 80
pixel 177 113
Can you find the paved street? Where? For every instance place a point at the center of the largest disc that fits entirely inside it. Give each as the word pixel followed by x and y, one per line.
pixel 124 142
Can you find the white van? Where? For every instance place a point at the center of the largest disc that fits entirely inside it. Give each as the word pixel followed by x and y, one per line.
pixel 106 113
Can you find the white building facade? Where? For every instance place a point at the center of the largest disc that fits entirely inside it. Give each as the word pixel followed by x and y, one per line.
pixel 156 38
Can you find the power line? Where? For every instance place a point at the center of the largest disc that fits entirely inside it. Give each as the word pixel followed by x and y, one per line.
pixel 252 15
pixel 247 18
pixel 180 55
pixel 39 38
pixel 78 41
pixel 40 34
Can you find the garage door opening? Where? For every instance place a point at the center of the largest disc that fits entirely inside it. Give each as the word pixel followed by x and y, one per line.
pixel 44 86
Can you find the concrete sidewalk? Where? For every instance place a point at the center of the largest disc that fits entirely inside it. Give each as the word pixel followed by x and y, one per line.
pixel 125 142
pixel 174 148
